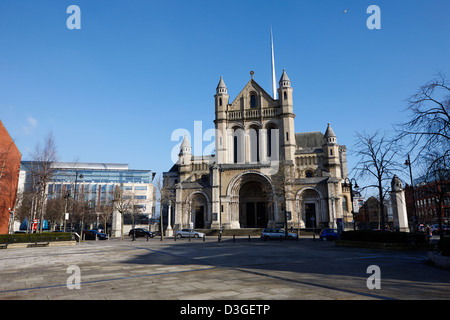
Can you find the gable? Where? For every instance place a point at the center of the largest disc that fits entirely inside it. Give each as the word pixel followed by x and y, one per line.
pixel 261 98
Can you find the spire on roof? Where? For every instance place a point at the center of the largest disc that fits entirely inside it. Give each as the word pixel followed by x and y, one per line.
pixel 185 143
pixel 221 87
pixel 284 81
pixel 329 132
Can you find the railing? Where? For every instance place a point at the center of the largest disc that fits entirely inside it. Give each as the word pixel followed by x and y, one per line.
pixel 253 113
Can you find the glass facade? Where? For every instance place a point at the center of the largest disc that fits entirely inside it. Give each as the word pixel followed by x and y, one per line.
pixel 94 182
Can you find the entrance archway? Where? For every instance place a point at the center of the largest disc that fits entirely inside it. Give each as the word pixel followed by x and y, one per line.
pixel 199 210
pixel 251 200
pixel 253 205
pixel 309 206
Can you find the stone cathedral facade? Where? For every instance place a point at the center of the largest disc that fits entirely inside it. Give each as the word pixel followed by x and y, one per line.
pixel 263 173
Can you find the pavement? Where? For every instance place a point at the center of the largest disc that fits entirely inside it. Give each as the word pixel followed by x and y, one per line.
pixel 198 270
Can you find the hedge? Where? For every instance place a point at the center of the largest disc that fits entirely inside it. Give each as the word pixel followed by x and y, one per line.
pixel 35 237
pixel 383 236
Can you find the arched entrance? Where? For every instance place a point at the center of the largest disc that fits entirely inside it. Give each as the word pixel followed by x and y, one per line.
pixel 199 209
pixel 310 207
pixel 252 197
pixel 253 205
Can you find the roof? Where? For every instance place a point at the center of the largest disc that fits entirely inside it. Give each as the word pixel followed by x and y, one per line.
pixel 309 139
pixel 329 132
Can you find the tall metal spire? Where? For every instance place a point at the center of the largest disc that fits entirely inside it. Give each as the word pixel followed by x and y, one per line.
pixel 274 86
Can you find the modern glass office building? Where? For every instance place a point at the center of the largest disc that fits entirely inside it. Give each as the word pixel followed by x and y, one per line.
pixel 95 182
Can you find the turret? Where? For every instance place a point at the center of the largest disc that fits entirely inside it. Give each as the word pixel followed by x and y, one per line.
pixel 287 130
pixel 221 103
pixel 331 150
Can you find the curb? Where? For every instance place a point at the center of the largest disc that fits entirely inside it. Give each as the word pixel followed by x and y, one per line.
pixel 439 260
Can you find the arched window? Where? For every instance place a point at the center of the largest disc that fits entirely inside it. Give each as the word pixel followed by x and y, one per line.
pixel 309 174
pixel 344 204
pixel 253 101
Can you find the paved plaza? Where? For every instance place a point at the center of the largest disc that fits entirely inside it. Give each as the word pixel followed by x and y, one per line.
pixel 212 270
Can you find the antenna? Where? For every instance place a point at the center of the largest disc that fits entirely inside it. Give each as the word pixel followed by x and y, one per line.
pixel 274 86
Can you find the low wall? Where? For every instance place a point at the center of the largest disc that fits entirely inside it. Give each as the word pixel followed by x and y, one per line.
pixel 439 260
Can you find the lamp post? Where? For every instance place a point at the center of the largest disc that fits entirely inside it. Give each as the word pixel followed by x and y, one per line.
pixel 75 198
pixel 66 197
pixel 220 201
pixel 408 163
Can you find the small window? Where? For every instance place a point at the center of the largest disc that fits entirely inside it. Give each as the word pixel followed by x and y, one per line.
pixel 253 101
pixel 309 174
pixel 285 95
pixel 220 101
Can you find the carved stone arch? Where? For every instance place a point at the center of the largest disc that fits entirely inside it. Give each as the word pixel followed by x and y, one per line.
pixel 198 210
pixel 310 203
pixel 251 199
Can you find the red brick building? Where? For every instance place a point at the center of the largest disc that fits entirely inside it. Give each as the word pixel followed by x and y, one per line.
pixel 9 175
pixel 432 199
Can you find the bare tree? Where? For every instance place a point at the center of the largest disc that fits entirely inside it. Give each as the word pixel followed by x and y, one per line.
pixel 42 172
pixel 165 194
pixel 428 127
pixel 125 202
pixel 436 181
pixel 376 161
pixel 282 183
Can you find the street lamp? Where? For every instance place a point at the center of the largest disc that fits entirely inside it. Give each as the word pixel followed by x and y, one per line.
pixel 408 163
pixel 66 196
pixel 220 201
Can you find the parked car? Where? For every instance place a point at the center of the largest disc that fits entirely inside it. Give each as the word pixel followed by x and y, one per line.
pixel 329 234
pixel 94 235
pixel 189 233
pixel 276 233
pixel 141 232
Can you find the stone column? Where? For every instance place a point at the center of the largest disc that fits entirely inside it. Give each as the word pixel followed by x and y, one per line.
pixel 399 212
pixel 116 228
pixel 169 231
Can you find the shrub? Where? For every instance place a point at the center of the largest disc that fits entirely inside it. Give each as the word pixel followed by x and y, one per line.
pixel 35 237
pixel 383 236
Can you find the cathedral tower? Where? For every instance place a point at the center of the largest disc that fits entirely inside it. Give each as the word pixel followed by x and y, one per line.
pixel 287 130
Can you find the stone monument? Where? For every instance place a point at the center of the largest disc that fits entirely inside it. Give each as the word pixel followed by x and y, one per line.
pixel 399 205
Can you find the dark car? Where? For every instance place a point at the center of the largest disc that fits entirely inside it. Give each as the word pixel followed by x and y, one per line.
pixel 141 232
pixel 94 235
pixel 329 234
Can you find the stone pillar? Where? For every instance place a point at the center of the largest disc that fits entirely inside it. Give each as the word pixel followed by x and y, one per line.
pixel 399 212
pixel 116 228
pixel 169 231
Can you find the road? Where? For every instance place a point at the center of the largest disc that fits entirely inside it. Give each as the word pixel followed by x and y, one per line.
pixel 210 270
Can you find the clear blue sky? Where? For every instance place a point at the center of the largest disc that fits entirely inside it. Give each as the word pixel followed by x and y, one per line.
pixel 115 90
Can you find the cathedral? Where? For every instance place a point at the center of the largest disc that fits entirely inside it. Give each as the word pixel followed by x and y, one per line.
pixel 263 173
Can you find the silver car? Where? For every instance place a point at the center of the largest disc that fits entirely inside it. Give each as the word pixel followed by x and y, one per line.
pixel 189 233
pixel 276 233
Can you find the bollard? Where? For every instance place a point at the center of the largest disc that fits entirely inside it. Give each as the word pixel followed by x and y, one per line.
pixel 175 238
pixel 189 238
pixel 204 237
pixel 248 238
pixel 234 237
